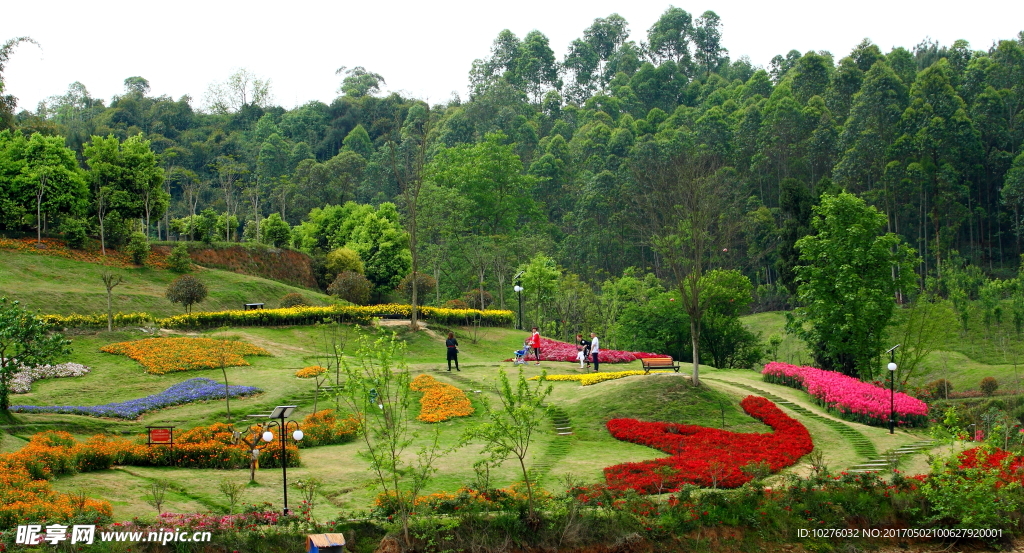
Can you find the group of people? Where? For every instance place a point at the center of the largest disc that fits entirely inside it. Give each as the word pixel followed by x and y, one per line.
pixel 587 350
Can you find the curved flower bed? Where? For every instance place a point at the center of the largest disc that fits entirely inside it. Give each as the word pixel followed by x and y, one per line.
pixel 707 456
pixel 164 355
pixel 23 379
pixel 189 391
pixel 553 350
pixel 440 401
pixel 849 397
pixel 593 378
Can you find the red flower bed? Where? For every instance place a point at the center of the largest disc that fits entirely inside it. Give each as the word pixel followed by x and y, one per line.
pixel 553 350
pixel 707 456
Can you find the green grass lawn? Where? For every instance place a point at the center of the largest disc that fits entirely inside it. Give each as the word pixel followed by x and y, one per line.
pixel 56 285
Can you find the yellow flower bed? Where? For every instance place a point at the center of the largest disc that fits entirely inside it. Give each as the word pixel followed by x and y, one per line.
pixel 593 378
pixel 440 401
pixel 359 314
pixel 164 355
pixel 310 372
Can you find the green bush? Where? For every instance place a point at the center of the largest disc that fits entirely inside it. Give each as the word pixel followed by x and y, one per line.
pixel 186 290
pixel 137 248
pixel 352 287
pixel 344 259
pixel 180 261
pixel 76 232
pixel 275 231
pixel 293 299
pixel 989 385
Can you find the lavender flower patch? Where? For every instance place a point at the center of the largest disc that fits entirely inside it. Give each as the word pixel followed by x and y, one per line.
pixel 189 391
pixel 23 379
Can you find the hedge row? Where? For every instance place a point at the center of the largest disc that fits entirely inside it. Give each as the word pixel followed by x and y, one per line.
pixel 301 315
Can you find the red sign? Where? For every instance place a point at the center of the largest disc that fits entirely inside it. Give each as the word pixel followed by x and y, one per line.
pixel 160 435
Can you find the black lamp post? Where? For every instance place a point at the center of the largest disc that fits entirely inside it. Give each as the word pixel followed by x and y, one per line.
pixel 280 413
pixel 892 388
pixel 519 292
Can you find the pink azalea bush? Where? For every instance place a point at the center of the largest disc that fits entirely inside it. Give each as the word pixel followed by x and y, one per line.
pixel 848 397
pixel 553 350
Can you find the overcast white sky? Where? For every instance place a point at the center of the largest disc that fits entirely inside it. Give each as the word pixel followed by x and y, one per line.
pixel 424 49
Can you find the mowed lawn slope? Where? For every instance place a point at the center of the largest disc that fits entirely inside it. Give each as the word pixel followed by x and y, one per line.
pixel 56 285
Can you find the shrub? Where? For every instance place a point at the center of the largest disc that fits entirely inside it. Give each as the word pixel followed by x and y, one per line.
pixel 424 285
pixel 989 385
pixel 293 299
pixel 344 259
pixel 180 261
pixel 186 290
pixel 352 287
pixel 456 304
pixel 939 389
pixel 137 248
pixel 76 232
pixel 472 298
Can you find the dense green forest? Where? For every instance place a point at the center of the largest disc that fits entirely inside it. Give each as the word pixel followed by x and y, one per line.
pixel 551 154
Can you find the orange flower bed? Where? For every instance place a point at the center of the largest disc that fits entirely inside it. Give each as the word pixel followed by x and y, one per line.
pixel 440 401
pixel 164 355
pixel 57 248
pixel 310 372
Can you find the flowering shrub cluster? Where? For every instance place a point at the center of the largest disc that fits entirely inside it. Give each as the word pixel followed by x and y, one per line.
pixel 325 428
pixel 22 381
pixel 849 397
pixel 465 499
pixel 593 378
pixel 96 320
pixel 707 456
pixel 304 315
pixel 25 495
pixel 310 372
pixel 553 350
pixel 57 248
pixel 440 401
pixel 170 354
pixel 189 391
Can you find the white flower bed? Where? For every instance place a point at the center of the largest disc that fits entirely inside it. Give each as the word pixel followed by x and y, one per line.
pixel 23 379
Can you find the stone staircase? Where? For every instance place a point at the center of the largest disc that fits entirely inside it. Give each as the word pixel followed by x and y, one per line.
pixel 890 459
pixel 860 443
pixel 558 448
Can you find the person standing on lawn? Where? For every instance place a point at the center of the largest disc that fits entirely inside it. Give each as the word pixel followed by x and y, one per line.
pixel 595 347
pixel 535 343
pixel 583 347
pixel 453 351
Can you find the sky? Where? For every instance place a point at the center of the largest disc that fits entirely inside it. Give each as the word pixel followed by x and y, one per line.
pixel 422 49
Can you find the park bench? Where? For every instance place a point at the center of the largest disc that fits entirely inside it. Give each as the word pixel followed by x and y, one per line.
pixel 659 363
pixel 251 306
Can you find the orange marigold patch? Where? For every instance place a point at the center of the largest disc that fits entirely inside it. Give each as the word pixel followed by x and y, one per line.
pixel 440 401
pixel 164 355
pixel 310 372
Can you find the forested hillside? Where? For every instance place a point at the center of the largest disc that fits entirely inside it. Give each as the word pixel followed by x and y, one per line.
pixel 553 152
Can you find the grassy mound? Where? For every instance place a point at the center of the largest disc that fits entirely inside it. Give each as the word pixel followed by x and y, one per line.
pixel 62 286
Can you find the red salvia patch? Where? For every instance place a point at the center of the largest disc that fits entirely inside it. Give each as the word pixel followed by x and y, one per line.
pixel 707 456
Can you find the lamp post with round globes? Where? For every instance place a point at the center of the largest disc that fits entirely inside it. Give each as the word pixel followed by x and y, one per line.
pixel 892 388
pixel 280 413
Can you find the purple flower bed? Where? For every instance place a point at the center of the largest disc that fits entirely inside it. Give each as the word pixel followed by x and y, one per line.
pixel 189 391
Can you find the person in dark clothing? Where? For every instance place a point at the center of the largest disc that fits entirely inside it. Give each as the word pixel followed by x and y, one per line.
pixel 583 347
pixel 453 351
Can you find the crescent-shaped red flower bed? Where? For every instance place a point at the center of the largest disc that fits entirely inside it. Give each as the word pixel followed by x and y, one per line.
pixel 707 456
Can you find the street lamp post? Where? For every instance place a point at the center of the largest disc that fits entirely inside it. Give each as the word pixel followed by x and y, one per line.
pixel 519 292
pixel 892 388
pixel 280 413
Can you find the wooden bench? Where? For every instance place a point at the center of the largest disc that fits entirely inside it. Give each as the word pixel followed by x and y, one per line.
pixel 659 363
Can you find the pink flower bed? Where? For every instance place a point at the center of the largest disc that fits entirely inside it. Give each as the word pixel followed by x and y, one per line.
pixel 847 396
pixel 553 350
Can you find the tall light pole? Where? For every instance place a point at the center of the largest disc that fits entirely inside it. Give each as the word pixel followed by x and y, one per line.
pixel 892 388
pixel 518 288
pixel 280 413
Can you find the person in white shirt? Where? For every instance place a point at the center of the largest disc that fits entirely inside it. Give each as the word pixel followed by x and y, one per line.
pixel 594 349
